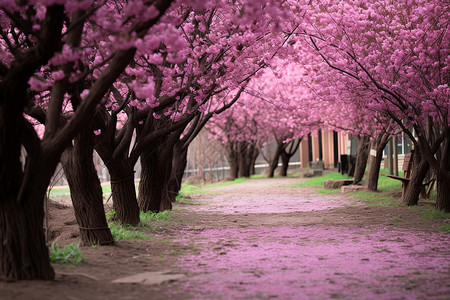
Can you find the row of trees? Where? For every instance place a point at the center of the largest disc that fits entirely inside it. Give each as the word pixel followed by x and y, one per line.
pixel 373 70
pixel 139 80
pixel 128 79
pixel 393 60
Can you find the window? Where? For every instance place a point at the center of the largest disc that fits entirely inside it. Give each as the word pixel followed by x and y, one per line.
pixel 404 145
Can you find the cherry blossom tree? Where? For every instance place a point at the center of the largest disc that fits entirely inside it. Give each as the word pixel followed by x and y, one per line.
pixel 398 53
pixel 284 113
pixel 221 56
pixel 44 37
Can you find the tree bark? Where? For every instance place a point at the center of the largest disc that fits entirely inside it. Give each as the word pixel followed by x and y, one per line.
pixel 179 163
pixel 23 251
pixel 286 155
pixel 284 163
pixel 86 191
pixel 443 193
pixel 233 160
pixel 253 157
pixel 361 159
pixel 244 159
pixel 123 192
pixel 274 160
pixel 156 168
pixel 418 173
pixel 375 161
pixel 234 169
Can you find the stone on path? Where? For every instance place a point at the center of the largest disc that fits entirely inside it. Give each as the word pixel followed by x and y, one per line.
pixel 352 188
pixel 336 184
pixel 150 278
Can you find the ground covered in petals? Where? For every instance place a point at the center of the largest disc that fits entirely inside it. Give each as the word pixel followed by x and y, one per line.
pixel 259 239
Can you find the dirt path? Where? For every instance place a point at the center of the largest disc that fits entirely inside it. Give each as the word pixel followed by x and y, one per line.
pixel 260 239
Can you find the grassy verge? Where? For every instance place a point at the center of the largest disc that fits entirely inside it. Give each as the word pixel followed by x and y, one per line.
pixel 318 181
pixel 431 213
pixel 376 199
pixel 237 180
pixel 387 196
pixel 184 195
pixel 65 191
pixel 384 197
pixel 69 255
pixel 149 221
pixel 386 184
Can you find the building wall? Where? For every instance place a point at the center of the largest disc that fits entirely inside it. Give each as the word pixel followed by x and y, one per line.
pixel 327 148
pixel 304 156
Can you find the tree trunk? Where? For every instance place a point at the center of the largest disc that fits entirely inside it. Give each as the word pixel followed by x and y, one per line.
pixel 234 169
pixel 287 153
pixel 23 251
pixel 419 171
pixel 361 159
pixel 443 193
pixel 285 157
pixel 156 168
pixel 179 163
pixel 123 192
pixel 351 165
pixel 253 157
pixel 244 159
pixel 375 161
pixel 233 160
pixel 274 160
pixel 86 191
pixel 374 170
pixel 247 157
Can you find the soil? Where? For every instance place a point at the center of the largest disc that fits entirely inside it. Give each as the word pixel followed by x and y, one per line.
pixel 258 239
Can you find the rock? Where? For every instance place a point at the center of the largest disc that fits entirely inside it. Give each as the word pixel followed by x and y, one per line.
pixel 150 278
pixel 317 165
pixel 308 174
pixel 352 188
pixel 336 184
pixel 312 173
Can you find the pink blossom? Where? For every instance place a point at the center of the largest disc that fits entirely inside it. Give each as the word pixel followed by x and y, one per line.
pixel 58 75
pixel 38 85
pixel 156 59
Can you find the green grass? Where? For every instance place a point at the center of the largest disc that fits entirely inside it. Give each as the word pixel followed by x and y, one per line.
pixel 444 228
pixel 59 192
pixel 383 197
pixel 62 192
pixel 431 213
pixel 329 191
pixel 151 216
pixel 295 174
pixel 318 181
pixel 69 255
pixel 376 198
pixel 125 232
pixel 258 176
pixel 386 184
pixel 237 180
pixel 189 189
